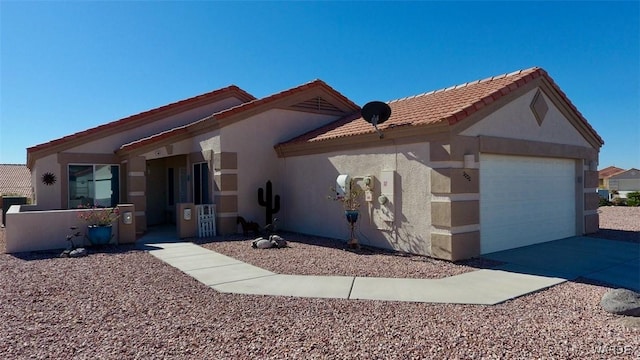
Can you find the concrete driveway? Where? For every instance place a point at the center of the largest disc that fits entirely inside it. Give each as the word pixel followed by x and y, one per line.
pixel 614 262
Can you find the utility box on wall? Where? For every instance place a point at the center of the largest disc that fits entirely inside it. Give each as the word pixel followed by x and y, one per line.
pixel 186 221
pixel 386 183
pixel 126 224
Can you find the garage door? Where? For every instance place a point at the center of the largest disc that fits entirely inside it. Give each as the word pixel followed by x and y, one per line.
pixel 525 200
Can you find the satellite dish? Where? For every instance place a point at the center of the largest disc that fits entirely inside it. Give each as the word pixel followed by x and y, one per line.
pixel 375 113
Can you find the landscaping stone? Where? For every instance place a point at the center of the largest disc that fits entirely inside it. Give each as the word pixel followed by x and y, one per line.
pixel 261 243
pixel 79 252
pixel 621 302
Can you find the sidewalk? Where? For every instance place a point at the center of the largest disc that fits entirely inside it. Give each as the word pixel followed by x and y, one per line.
pixel 228 275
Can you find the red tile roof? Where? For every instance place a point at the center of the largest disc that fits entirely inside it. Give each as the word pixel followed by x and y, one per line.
pixel 445 106
pixel 219 117
pixel 609 171
pixel 15 180
pixel 229 91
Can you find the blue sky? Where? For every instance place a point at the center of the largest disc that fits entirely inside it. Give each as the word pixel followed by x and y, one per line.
pixel 69 66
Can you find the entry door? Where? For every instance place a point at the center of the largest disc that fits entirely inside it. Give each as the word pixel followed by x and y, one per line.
pixel 525 200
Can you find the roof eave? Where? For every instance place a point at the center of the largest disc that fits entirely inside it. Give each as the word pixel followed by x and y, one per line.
pixel 408 133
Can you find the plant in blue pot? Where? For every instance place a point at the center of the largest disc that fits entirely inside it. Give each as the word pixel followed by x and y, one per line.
pixel 351 204
pixel 100 223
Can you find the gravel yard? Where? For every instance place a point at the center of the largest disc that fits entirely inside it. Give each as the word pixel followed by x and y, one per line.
pixel 122 303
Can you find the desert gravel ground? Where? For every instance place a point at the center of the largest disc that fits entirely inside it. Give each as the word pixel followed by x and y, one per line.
pixel 122 303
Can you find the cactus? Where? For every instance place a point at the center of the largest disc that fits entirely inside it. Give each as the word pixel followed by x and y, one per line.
pixel 272 205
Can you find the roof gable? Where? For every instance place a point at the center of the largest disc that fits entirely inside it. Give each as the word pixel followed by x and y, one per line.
pixel 444 107
pixel 124 124
pixel 609 171
pixel 632 173
pixel 315 96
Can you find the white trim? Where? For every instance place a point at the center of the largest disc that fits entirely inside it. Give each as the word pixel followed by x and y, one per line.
pixel 446 164
pixel 136 173
pixel 225 172
pixel 136 193
pixel 455 230
pixel 455 197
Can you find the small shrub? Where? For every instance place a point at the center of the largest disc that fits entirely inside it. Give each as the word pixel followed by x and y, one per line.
pixel 604 202
pixel 633 199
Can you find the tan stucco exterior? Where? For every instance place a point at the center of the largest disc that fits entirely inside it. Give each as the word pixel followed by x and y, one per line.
pixel 435 206
pixel 432 172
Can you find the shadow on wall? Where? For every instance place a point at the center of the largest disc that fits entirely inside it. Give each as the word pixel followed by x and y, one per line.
pixel 307 210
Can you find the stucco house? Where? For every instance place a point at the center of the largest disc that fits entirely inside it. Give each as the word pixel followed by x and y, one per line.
pixel 625 181
pixel 605 174
pixel 479 167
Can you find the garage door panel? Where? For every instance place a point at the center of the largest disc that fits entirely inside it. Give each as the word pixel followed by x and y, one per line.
pixel 525 200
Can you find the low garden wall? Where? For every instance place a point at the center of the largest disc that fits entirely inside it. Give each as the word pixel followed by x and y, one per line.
pixel 29 229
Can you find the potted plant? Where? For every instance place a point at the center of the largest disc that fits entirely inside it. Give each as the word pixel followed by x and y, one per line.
pixel 100 221
pixel 351 204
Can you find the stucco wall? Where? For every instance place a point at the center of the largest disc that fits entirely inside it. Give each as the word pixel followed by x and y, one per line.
pixel 29 230
pixel 306 208
pixel 47 196
pixel 253 140
pixel 516 120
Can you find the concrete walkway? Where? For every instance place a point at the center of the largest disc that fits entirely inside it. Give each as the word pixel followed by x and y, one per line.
pixel 228 275
pixel 525 270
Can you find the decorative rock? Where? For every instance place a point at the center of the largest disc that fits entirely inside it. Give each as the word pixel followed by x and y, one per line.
pixel 630 322
pixel 621 302
pixel 261 243
pixel 277 241
pixel 79 252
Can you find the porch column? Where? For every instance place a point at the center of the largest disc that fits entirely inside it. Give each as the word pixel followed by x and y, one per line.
pixel 225 177
pixel 591 197
pixel 455 200
pixel 136 187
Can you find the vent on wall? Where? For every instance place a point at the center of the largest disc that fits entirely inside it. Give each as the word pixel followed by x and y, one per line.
pixel 539 107
pixel 317 104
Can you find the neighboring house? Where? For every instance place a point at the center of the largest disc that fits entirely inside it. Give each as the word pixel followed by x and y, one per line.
pixel 605 174
pixel 488 165
pixel 625 181
pixel 15 180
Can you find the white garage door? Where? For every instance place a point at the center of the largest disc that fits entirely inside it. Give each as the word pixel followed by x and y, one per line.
pixel 525 200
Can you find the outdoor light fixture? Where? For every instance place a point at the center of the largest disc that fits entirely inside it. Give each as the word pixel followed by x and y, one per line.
pixel 127 218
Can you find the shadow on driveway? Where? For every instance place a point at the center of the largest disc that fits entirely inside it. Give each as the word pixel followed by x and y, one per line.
pixel 586 259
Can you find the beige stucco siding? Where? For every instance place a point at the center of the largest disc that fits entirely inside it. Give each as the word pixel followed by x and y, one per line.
pixel 47 196
pixel 253 140
pixel 516 120
pixel 406 226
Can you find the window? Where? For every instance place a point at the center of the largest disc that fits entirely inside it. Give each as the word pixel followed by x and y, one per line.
pixel 200 183
pixel 91 185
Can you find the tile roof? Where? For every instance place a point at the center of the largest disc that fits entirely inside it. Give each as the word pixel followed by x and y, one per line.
pixel 186 104
pixel 445 106
pixel 15 179
pixel 221 116
pixel 609 171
